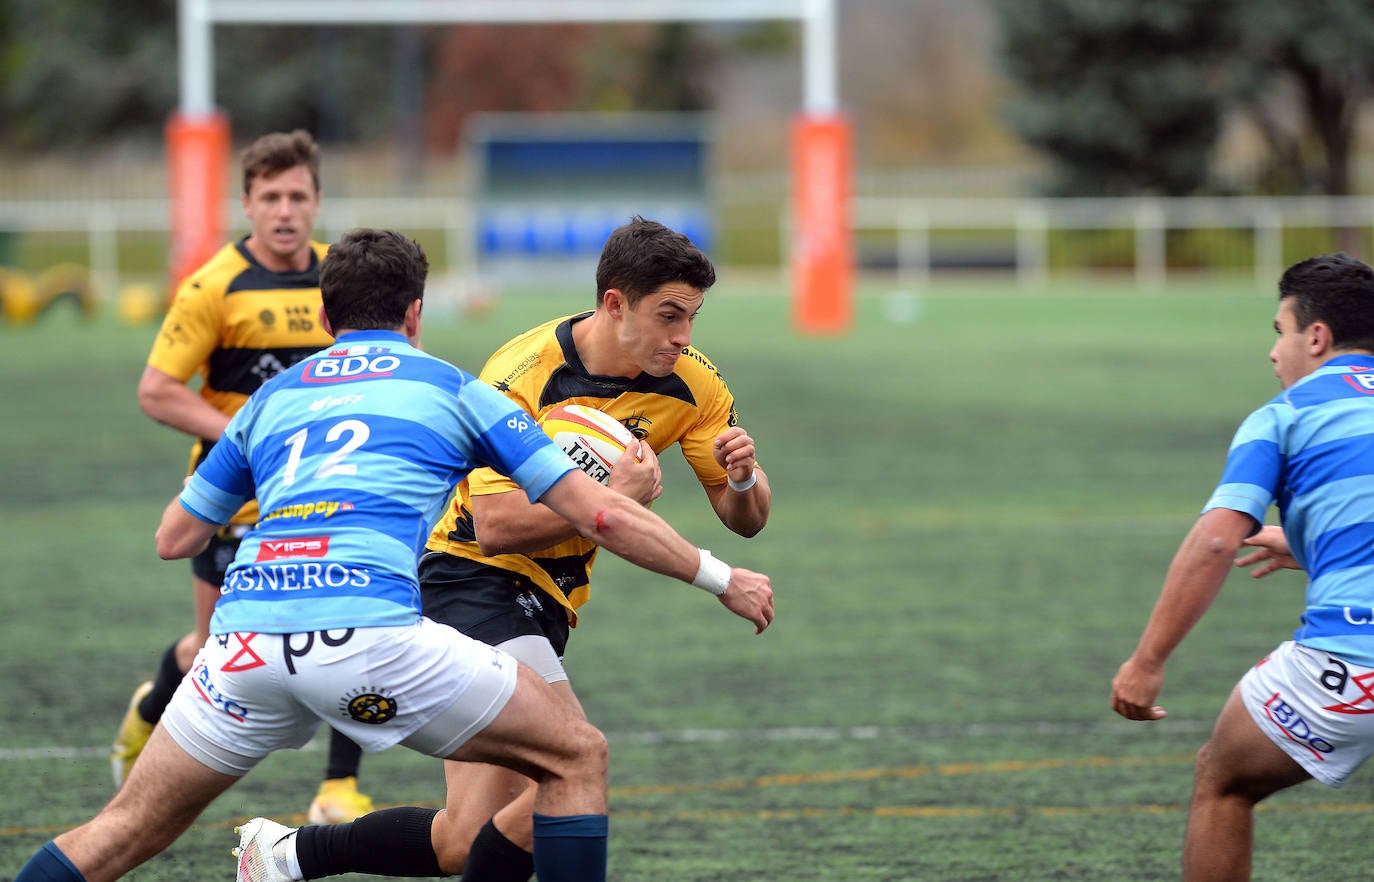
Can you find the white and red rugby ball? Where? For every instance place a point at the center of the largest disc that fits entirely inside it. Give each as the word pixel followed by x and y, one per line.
pixel 592 439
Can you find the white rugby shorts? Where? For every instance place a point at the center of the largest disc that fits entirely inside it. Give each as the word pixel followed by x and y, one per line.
pixel 1317 707
pixel 424 685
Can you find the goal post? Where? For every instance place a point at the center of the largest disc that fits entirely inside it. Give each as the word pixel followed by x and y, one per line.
pixel 820 252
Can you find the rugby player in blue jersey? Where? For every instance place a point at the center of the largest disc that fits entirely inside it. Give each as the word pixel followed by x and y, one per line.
pixel 352 453
pixel 1307 709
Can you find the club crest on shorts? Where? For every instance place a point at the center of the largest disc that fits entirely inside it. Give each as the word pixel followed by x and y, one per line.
pixel 367 706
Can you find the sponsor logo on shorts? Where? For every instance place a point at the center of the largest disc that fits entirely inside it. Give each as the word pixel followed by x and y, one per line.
pixel 1294 727
pixel 1337 677
pixel 245 658
pixel 292 651
pixel 529 603
pixel 368 706
pixel 305 546
pixel 200 678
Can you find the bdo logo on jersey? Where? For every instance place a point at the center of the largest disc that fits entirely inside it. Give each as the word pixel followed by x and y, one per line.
pixel 1361 379
pixel 334 369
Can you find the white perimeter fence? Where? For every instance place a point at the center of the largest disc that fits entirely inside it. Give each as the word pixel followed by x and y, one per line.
pixel 912 230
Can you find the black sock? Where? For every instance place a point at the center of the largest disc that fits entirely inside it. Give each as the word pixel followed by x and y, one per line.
pixel 389 842
pixel 494 858
pixel 164 686
pixel 345 756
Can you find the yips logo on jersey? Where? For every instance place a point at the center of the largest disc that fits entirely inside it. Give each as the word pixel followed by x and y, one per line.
pixel 283 549
pixel 335 368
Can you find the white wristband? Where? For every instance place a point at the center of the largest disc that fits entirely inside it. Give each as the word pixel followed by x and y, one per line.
pixel 713 575
pixel 741 486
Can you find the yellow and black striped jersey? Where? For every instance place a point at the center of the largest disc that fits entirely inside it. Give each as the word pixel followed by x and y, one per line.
pixel 238 324
pixel 541 369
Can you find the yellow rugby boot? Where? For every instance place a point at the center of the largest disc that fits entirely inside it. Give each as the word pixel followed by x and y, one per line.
pixel 338 801
pixel 133 734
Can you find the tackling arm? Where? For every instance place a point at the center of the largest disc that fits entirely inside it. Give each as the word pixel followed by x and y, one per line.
pixel 508 523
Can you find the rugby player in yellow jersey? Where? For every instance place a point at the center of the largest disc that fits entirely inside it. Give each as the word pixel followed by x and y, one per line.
pixel 513 574
pixel 248 313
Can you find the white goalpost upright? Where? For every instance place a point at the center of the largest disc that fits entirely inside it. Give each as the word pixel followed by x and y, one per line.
pixel 821 252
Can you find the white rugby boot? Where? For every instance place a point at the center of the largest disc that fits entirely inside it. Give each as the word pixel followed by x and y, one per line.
pixel 262 851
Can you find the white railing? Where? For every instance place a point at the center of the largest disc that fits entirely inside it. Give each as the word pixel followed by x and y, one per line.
pixel 914 223
pixel 102 221
pixel 1031 220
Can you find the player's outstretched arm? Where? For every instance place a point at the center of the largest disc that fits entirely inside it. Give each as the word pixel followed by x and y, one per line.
pixel 1194 579
pixel 1272 553
pixel 508 523
pixel 629 530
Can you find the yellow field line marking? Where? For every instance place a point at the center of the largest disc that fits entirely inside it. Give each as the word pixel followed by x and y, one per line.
pixel 918 771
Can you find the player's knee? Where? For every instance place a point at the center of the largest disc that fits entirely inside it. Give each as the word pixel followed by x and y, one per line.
pixel 451 842
pixel 1211 780
pixel 589 750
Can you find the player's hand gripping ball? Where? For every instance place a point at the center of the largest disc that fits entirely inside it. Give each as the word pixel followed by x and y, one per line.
pixel 593 439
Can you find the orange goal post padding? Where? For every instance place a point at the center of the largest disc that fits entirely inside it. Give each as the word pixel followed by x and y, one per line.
pixel 198 163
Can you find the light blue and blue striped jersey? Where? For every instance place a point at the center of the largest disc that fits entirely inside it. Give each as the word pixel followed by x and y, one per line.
pixel 352 454
pixel 1310 451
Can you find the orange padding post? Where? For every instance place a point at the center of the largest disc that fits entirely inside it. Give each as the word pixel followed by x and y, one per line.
pixel 822 250
pixel 198 165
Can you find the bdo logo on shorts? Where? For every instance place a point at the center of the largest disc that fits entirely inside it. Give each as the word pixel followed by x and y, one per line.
pixel 367 706
pixel 1294 727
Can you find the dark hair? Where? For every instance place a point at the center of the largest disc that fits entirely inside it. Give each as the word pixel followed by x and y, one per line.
pixel 273 154
pixel 369 278
pixel 643 255
pixel 1336 290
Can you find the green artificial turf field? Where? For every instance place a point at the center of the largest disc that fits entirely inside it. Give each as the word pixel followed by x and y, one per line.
pixel 976 493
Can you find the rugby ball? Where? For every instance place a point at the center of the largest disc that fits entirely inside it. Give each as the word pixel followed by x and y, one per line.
pixel 592 439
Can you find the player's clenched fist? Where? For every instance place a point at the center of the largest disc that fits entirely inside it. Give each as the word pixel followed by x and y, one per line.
pixel 750 596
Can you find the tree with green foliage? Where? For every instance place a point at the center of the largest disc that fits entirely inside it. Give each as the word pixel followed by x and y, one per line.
pixel 1129 97
pixel 1124 96
pixel 77 73
pixel 1321 52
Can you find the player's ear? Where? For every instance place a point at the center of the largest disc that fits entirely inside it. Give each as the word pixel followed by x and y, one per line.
pixel 324 322
pixel 614 302
pixel 1319 338
pixel 412 319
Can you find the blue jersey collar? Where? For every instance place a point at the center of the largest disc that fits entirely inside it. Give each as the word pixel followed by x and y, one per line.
pixel 370 336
